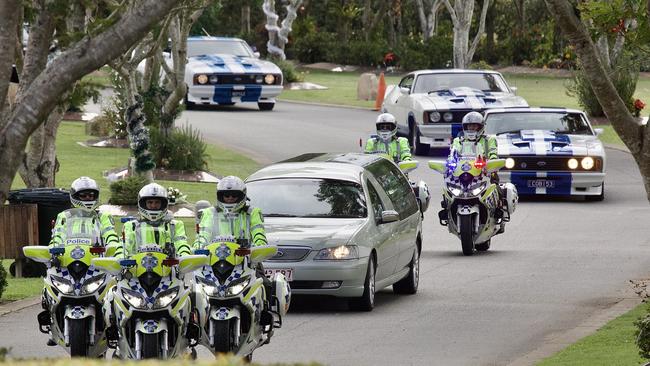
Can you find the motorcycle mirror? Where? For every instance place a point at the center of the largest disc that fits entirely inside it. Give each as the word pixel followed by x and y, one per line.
pixel 108 264
pixel 260 254
pixel 495 164
pixel 408 166
pixel 438 166
pixel 37 253
pixel 189 263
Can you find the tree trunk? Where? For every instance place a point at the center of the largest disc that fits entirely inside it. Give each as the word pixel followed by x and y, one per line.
pixel 278 36
pixel 86 55
pixel 39 164
pixel 9 13
pixel 246 19
pixel 423 19
pixel 634 135
pixel 461 16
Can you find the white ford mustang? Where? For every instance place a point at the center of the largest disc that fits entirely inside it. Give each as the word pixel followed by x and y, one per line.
pixel 430 104
pixel 224 71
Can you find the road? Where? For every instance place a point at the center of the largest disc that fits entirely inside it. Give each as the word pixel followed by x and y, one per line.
pixel 558 263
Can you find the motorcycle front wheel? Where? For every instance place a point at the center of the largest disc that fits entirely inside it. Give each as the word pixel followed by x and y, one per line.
pixel 466 234
pixel 150 345
pixel 78 330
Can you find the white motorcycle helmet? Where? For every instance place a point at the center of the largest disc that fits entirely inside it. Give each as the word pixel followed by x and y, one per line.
pixel 386 126
pixel 80 192
pixel 153 191
pixel 230 187
pixel 473 126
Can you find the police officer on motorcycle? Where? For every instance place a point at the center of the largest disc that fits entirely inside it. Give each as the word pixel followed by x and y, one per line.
pixel 387 141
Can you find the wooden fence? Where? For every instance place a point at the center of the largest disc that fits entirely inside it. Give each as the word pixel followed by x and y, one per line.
pixel 18 228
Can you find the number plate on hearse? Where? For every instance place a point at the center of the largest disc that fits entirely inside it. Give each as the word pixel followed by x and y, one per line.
pixel 541 183
pixel 287 272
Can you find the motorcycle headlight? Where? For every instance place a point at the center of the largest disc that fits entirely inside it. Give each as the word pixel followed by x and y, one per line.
pixel 269 79
pixel 236 287
pixel 202 79
pixel 93 284
pixel 209 287
pixel 342 252
pixel 587 163
pixel 134 298
pixel 454 190
pixel 165 298
pixel 434 116
pixel 63 285
pixel 478 188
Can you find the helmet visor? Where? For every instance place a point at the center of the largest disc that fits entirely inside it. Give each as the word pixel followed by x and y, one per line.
pixel 230 197
pixel 86 195
pixel 472 126
pixel 385 126
pixel 153 203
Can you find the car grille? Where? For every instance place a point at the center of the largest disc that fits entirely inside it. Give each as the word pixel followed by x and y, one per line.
pixel 552 163
pixel 288 254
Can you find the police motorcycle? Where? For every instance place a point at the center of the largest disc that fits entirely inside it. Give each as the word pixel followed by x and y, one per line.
pixel 74 291
pixel 471 208
pixel 150 307
pixel 230 297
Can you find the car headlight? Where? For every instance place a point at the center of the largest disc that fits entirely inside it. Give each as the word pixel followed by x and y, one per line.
pixel 202 79
pixel 236 287
pixel 447 116
pixel 510 163
pixel 134 298
pixel 93 284
pixel 259 79
pixel 61 284
pixel 165 298
pixel 587 163
pixel 434 116
pixel 478 188
pixel 342 252
pixel 573 163
pixel 269 79
pixel 214 79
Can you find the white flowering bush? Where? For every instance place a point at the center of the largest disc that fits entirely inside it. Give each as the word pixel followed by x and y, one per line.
pixel 175 196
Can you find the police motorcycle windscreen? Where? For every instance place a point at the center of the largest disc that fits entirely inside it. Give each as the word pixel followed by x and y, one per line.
pixel 230 297
pixel 150 307
pixel 73 293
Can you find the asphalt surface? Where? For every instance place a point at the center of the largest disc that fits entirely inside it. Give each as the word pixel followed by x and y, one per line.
pixel 559 262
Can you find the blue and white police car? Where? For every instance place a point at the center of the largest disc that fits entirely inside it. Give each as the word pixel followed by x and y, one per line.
pixel 549 151
pixel 225 71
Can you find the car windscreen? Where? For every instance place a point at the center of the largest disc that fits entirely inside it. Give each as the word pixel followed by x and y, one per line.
pixel 427 83
pixel 558 122
pixel 308 198
pixel 209 47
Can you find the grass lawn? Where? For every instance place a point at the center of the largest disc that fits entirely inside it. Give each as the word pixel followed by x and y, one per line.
pixel 20 288
pixel 77 160
pixel 613 345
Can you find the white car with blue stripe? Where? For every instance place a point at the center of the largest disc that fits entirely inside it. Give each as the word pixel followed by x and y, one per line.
pixel 225 71
pixel 429 105
pixel 549 151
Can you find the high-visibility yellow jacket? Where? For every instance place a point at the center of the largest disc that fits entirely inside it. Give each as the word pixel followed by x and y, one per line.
pixel 138 233
pixel 486 146
pixel 215 225
pixel 398 148
pixel 78 223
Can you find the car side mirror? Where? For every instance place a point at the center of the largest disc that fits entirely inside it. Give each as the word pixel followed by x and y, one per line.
pixel 599 131
pixel 389 216
pixel 257 54
pixel 405 91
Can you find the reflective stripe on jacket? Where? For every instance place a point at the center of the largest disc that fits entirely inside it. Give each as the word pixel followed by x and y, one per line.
pixel 398 148
pixel 247 224
pixel 79 223
pixel 487 148
pixel 138 233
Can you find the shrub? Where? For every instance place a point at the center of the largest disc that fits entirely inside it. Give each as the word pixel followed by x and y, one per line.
pixel 125 191
pixel 81 93
pixel 3 279
pixel 289 72
pixel 183 149
pixel 480 65
pixel 435 53
pixel 366 53
pixel 101 126
pixel 624 76
pixel 642 334
pixel 314 47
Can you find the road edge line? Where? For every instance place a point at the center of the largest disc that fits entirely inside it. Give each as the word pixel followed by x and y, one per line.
pixel 18 305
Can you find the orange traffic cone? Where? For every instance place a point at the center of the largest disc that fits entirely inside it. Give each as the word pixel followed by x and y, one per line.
pixel 381 90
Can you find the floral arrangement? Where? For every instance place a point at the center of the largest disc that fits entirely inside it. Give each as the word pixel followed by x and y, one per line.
pixel 638 106
pixel 175 196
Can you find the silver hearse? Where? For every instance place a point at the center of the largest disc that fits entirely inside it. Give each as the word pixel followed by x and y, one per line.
pixel 346 225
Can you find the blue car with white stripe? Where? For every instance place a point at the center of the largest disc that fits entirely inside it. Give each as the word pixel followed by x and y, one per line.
pixel 549 151
pixel 225 71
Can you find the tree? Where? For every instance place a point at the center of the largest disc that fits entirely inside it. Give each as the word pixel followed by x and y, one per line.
pixel 278 36
pixel 461 14
pixel 428 19
pixel 635 136
pixel 129 23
